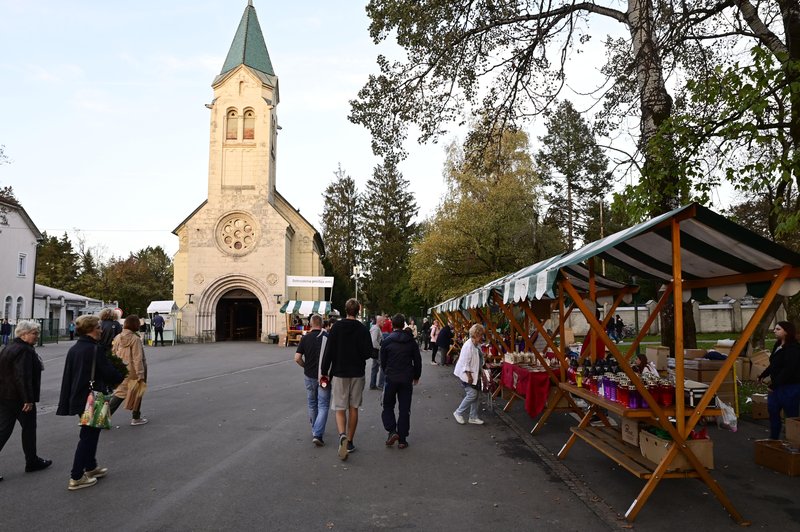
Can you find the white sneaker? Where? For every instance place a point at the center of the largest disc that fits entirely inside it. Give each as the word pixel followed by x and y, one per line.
pixel 434 364
pixel 476 421
pixel 459 419
pixel 140 421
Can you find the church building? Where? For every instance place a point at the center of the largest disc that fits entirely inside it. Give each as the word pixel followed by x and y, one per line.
pixel 238 247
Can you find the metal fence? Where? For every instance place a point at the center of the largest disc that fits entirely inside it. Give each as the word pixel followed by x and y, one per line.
pixel 50 328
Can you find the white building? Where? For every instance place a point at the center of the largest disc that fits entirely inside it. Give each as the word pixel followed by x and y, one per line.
pixel 61 307
pixel 19 237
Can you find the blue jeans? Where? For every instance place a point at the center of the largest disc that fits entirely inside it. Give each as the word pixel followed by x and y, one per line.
pixel 5 339
pixel 470 401
pixel 319 401
pixel 374 376
pixel 786 398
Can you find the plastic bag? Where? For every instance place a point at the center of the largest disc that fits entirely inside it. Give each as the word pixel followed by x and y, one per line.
pixel 728 418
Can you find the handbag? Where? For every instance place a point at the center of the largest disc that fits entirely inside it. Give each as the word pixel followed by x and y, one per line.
pixel 96 413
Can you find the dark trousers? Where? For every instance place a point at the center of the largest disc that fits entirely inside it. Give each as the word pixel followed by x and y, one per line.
pixel 786 398
pixel 85 454
pixel 10 413
pixel 434 349
pixel 114 403
pixel 400 393
pixel 159 330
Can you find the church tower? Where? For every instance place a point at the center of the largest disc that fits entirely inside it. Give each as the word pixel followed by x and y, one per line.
pixel 243 118
pixel 237 248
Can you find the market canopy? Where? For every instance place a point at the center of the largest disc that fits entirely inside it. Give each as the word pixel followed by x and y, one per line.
pixel 712 247
pixel 296 306
pixel 162 307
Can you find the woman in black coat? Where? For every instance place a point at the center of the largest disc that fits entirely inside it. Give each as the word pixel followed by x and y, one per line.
pixel 20 383
pixel 75 390
pixel 784 374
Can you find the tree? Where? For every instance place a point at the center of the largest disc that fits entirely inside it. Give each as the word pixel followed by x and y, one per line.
pixel 488 223
pixel 506 61
pixel 388 210
pixel 6 192
pixel 143 277
pixel 574 172
pixel 57 263
pixel 342 233
pixel 741 119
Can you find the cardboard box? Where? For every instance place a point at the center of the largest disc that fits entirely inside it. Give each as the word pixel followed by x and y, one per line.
pixel 780 456
pixel 758 363
pixel 694 353
pixel 630 431
pixel 742 367
pixel 759 410
pixel 658 355
pixel 793 430
pixel 654 448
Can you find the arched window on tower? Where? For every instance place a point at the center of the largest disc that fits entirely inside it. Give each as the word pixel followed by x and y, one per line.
pixel 7 309
pixel 249 125
pixel 232 125
pixel 19 308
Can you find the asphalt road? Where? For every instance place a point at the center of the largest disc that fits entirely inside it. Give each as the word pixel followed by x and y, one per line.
pixel 228 447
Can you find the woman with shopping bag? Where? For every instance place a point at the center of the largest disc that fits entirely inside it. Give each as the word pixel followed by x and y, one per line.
pixel 86 370
pixel 128 346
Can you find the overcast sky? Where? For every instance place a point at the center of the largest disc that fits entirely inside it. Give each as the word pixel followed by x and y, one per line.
pixel 103 116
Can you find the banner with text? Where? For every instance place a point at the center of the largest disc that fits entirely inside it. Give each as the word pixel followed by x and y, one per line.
pixel 313 282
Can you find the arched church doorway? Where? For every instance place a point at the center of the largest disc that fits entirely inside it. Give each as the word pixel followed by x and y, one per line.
pixel 238 316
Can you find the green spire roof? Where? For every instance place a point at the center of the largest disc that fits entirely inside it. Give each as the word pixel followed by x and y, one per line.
pixel 248 46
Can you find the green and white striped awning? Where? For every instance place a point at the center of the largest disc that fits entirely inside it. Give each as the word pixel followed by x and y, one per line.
pixel 305 308
pixel 712 247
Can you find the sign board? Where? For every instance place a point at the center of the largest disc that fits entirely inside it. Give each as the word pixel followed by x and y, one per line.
pixel 313 282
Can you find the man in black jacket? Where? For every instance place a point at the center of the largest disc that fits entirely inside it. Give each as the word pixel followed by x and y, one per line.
pixel 402 365
pixel 346 353
pixel 443 341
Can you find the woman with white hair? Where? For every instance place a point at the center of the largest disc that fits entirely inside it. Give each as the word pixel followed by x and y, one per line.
pixel 468 367
pixel 20 383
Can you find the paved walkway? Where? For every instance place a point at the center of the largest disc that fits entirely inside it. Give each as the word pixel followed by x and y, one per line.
pixel 228 447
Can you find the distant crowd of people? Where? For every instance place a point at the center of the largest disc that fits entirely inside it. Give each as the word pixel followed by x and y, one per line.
pixel 334 361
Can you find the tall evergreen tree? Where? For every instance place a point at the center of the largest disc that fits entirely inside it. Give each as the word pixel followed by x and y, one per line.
pixel 574 173
pixel 57 263
pixel 341 233
pixel 389 208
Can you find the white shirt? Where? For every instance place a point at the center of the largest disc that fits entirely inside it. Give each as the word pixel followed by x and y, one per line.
pixel 468 360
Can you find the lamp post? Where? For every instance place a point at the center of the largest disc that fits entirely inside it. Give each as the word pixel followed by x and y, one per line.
pixel 358 273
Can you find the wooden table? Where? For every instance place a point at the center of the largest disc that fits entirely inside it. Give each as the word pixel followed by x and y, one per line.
pixel 293 337
pixel 608 440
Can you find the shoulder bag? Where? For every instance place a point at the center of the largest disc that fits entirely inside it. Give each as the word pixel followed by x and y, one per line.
pixel 96 413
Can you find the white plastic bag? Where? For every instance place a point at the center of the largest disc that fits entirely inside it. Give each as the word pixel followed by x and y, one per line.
pixel 728 418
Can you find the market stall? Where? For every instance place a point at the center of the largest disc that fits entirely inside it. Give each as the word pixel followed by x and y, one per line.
pixel 167 310
pixel 297 308
pixel 693 252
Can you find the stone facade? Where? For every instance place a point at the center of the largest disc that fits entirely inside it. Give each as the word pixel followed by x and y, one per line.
pixel 237 248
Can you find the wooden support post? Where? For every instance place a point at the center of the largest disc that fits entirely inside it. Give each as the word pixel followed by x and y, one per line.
pixel 677 299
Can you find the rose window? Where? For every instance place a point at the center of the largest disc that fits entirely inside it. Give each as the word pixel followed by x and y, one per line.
pixel 237 234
